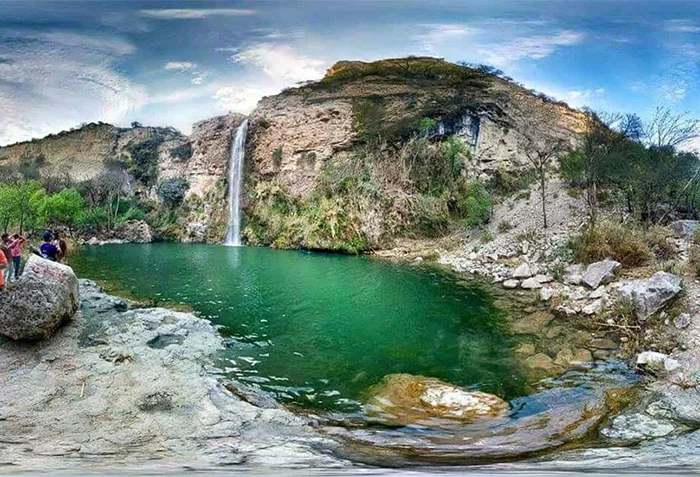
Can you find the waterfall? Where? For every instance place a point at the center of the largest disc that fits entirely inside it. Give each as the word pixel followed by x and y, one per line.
pixel 235 181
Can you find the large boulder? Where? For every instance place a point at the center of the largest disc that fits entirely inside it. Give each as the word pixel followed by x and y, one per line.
pixel 600 273
pixel 649 296
pixel 34 306
pixel 404 399
pixel 684 228
pixel 134 231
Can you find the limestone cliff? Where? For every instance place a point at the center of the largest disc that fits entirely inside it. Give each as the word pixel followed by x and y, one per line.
pixel 149 155
pixel 372 152
pixel 301 137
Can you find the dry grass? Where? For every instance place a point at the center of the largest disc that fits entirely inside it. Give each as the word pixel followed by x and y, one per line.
pixel 629 243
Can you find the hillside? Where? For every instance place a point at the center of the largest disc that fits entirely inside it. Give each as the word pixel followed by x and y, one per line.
pixel 364 151
pixel 397 148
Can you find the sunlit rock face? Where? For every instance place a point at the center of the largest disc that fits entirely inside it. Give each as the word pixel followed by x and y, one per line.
pixel 323 119
pixel 404 399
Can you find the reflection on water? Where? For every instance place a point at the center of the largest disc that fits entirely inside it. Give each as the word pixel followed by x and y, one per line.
pixel 317 330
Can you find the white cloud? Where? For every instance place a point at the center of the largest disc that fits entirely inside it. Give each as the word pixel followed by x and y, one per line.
pixel 56 80
pixel 241 98
pixel 576 98
pixel 281 62
pixel 180 65
pixel 528 47
pixel 194 13
pixel 438 35
pixel 682 26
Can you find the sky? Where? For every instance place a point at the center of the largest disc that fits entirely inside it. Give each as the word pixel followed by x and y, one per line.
pixel 172 63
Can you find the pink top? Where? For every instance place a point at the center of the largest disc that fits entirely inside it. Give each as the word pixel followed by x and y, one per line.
pixel 16 247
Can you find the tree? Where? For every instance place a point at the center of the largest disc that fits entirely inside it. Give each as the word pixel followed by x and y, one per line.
pixel 106 190
pixel 63 208
pixel 541 148
pixel 666 129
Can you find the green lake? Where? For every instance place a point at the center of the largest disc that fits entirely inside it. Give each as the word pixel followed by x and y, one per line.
pixel 317 329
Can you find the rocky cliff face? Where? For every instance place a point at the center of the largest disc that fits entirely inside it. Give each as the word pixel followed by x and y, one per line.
pixel 346 163
pixel 301 137
pixel 150 155
pixel 325 119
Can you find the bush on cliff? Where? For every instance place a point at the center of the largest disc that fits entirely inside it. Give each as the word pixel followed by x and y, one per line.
pixel 172 191
pixel 380 191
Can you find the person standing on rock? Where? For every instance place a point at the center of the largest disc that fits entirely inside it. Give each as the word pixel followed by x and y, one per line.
pixel 16 252
pixel 7 253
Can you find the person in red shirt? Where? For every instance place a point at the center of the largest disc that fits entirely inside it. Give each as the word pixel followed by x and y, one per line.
pixel 3 266
pixel 16 252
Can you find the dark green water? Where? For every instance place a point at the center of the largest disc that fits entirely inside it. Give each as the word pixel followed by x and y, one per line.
pixel 318 330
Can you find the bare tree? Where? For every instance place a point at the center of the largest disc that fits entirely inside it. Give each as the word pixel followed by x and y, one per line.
pixel 541 149
pixel 667 129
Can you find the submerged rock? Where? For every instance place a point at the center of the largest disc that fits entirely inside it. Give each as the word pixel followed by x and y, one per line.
pixel 600 273
pixel 404 399
pixel 649 296
pixel 44 297
pixel 636 427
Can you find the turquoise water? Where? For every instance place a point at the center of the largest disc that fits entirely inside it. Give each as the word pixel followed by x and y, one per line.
pixel 317 330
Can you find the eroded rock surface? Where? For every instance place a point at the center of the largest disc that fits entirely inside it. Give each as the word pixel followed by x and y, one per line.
pixel 600 273
pixel 45 297
pixel 120 387
pixel 649 296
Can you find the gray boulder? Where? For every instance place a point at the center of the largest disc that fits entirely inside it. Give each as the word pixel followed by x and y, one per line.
pixel 684 228
pixel 523 271
pixel 134 231
pixel 649 296
pixel 38 303
pixel 600 273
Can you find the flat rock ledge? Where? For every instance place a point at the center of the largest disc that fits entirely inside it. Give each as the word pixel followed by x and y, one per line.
pixel 120 388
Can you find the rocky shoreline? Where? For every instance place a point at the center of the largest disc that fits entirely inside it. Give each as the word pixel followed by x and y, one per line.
pixel 119 386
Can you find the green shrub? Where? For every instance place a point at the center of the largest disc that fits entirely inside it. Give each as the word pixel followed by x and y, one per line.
pixel 431 215
pixel 505 226
pixel 132 213
pixel 694 260
pixel 182 152
pixel 475 207
pixel 143 160
pixel 277 158
pixel 508 182
pixel 91 220
pixel 172 191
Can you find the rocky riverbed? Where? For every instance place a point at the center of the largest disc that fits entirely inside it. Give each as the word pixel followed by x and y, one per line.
pixel 119 386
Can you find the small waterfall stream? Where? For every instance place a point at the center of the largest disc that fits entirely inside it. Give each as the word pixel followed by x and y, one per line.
pixel 235 181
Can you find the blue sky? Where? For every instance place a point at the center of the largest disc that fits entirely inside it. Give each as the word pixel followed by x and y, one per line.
pixel 176 62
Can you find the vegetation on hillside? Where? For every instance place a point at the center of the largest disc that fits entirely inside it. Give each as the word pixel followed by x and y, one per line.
pixel 381 190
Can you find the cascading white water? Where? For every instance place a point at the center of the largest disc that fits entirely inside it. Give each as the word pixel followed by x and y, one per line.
pixel 235 181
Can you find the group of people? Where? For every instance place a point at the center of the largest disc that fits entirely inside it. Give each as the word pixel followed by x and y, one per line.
pixel 53 248
pixel 10 257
